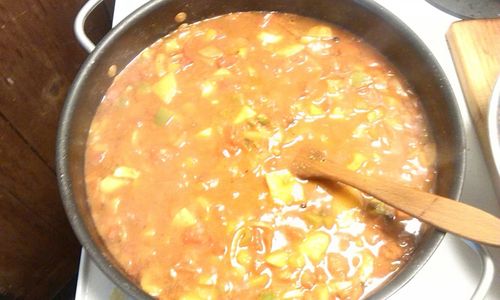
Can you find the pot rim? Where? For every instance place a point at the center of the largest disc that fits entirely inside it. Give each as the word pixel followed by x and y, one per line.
pixel 64 141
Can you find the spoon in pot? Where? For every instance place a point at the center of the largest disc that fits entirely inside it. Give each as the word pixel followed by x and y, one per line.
pixel 446 214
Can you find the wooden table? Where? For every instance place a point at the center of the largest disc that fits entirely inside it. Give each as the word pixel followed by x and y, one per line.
pixel 39 57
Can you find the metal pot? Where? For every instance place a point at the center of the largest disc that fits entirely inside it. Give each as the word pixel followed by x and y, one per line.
pixel 494 134
pixel 367 19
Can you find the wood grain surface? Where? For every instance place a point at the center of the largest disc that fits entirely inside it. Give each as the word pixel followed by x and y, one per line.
pixel 39 57
pixel 27 256
pixel 475 48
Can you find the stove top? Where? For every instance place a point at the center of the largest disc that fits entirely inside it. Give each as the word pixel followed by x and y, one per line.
pixel 473 9
pixel 454 270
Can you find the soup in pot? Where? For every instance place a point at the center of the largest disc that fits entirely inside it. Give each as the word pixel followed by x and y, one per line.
pixel 188 154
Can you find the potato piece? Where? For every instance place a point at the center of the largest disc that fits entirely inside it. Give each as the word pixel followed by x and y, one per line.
pixel 263 119
pixel 146 54
pixel 243 52
pixel 320 292
pixel 255 136
pixel 277 258
pixel 110 184
pixel 329 221
pixel 203 202
pixel 284 187
pixel 337 114
pixel 173 67
pixel 314 246
pixel 207 292
pixel 349 220
pixel 259 281
pixel 206 279
pixel 222 72
pixel 191 296
pixel 321 31
pixel 211 34
pixel 126 172
pixel 211 52
pixel 190 162
pixel 163 116
pixel 184 218
pixel 293 294
pixel 151 282
pixel 245 113
pixel 313 218
pixel 374 115
pixel 244 258
pixel 290 50
pixel 296 260
pixel 172 45
pixel 166 88
pixel 269 38
pixel 251 72
pixel 316 33
pixel 315 110
pixel 267 296
pixel 207 88
pixel 360 131
pixel 334 86
pixel 149 232
pixel 367 266
pixel 207 132
pixel 339 287
pixel 359 79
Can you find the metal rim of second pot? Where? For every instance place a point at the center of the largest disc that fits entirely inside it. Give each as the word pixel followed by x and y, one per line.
pixel 63 144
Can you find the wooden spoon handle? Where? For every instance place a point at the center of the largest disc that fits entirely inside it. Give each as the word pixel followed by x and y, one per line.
pixel 443 213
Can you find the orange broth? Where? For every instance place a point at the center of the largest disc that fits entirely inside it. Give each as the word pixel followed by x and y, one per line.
pixel 187 157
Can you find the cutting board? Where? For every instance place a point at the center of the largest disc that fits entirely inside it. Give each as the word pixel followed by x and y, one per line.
pixel 475 48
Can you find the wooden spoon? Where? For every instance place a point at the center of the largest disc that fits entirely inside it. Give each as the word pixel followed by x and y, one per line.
pixel 446 214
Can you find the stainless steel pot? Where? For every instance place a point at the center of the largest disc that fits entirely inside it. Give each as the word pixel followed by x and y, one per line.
pixel 367 19
pixel 494 134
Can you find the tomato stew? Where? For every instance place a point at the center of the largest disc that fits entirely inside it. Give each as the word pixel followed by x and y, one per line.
pixel 186 162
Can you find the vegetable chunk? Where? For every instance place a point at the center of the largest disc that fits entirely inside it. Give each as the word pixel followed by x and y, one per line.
pixel 184 218
pixel 291 50
pixel 277 258
pixel 245 113
pixel 151 284
pixel 269 38
pixel 163 116
pixel 314 246
pixel 126 172
pixel 166 88
pixel 284 187
pixel 110 184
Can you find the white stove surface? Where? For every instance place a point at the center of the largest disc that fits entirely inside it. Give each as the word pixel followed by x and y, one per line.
pixel 453 271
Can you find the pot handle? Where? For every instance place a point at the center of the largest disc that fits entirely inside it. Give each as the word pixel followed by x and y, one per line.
pixel 79 25
pixel 488 270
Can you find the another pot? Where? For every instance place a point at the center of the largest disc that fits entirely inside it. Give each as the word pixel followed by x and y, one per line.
pixel 366 19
